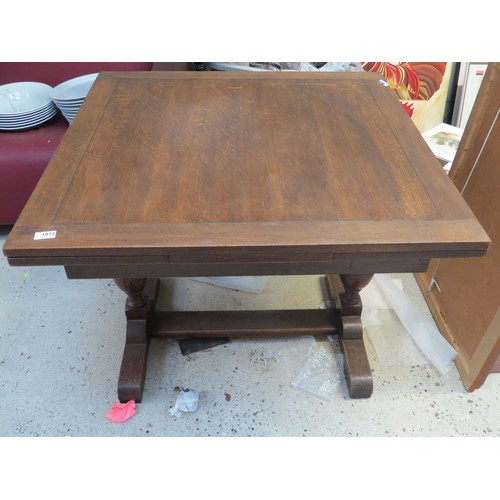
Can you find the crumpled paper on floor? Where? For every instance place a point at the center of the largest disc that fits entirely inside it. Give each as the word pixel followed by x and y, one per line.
pixel 186 402
pixel 121 411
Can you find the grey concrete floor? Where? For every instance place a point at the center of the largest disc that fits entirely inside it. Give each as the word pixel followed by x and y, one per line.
pixel 61 343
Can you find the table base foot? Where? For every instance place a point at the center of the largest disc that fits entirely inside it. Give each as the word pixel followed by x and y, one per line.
pixel 135 353
pixel 132 372
pixel 357 369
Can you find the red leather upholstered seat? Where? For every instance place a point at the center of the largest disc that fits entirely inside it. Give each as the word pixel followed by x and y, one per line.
pixel 25 154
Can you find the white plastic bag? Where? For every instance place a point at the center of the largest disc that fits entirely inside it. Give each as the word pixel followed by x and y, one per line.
pixel 423 332
pixel 320 374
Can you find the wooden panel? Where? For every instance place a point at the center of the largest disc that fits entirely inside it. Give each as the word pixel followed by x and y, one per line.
pixel 294 161
pixel 443 238
pixel 89 270
pixel 440 189
pixel 243 323
pixel 467 304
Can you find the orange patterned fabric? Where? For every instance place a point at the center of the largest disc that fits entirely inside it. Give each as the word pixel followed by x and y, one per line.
pixel 411 80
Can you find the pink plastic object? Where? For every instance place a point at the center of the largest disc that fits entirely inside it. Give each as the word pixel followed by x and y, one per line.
pixel 121 411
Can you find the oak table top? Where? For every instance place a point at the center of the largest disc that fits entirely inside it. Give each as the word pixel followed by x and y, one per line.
pixel 168 174
pixel 174 164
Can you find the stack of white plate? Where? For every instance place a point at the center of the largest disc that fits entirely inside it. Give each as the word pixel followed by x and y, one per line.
pixel 25 105
pixel 69 96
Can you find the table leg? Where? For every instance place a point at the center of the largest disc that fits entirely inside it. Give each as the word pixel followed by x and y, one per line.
pixel 141 299
pixel 347 302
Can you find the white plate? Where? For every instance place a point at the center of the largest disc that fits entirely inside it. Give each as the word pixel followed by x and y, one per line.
pixel 31 119
pixel 73 102
pixel 75 107
pixel 65 112
pixel 16 116
pixel 77 88
pixel 69 102
pixel 69 118
pixel 29 124
pixel 27 119
pixel 23 97
pixel 27 116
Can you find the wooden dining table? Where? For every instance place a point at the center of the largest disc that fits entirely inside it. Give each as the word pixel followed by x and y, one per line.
pixel 189 174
